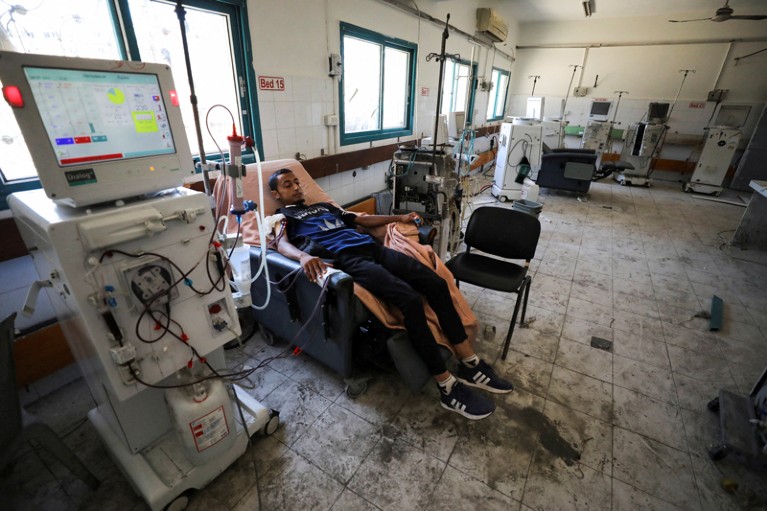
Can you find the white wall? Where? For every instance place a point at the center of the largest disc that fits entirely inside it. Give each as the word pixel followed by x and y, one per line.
pixel 644 56
pixel 293 38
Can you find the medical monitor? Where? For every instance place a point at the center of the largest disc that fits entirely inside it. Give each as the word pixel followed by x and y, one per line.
pixel 456 122
pixel 600 110
pixel 534 108
pixel 97 130
pixel 732 116
pixel 658 112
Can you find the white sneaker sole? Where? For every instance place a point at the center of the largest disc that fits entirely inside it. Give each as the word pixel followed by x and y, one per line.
pixel 465 414
pixel 492 390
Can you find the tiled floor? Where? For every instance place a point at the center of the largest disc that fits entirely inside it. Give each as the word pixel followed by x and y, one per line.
pixel 584 429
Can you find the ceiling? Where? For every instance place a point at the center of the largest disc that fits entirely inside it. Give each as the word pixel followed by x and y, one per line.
pixel 567 10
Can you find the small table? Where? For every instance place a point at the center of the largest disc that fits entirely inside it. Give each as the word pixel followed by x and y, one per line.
pixel 752 230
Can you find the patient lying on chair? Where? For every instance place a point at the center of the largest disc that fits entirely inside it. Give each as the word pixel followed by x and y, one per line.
pixel 326 233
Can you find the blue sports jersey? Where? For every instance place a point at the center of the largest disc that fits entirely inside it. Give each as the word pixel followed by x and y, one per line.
pixel 325 224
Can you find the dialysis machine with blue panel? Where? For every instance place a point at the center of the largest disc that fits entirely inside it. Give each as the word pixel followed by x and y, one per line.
pixel 130 260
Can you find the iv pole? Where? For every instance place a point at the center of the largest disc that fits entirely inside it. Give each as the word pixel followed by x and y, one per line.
pixel 564 105
pixel 441 58
pixel 686 72
pixel 181 14
pixel 535 80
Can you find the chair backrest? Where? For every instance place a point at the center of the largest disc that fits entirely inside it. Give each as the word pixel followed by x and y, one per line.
pixel 503 232
pixel 10 409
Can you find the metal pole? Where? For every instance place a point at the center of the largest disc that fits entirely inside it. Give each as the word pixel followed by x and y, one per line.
pixel 535 80
pixel 619 93
pixel 445 35
pixel 181 14
pixel 686 72
pixel 564 105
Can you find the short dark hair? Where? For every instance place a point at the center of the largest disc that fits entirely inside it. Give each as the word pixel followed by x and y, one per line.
pixel 274 179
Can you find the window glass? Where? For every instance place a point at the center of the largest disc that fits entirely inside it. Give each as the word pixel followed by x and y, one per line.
pixel 76 28
pixel 497 100
pixel 376 86
pixel 395 88
pixel 455 86
pixel 362 78
pixel 210 49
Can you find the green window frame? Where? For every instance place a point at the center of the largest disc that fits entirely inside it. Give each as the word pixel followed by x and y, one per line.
pixel 386 45
pixel 497 97
pixel 242 54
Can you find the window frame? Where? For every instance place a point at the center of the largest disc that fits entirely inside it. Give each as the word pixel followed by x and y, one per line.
pixel 347 29
pixel 494 98
pixel 243 58
pixel 472 85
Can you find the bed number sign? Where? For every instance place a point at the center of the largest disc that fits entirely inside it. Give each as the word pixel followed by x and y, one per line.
pixel 271 83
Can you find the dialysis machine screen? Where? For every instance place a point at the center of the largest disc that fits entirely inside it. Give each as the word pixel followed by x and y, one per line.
pixel 600 110
pixel 98 130
pixel 100 116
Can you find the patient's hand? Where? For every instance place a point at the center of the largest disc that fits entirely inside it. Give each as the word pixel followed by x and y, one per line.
pixel 411 218
pixel 314 267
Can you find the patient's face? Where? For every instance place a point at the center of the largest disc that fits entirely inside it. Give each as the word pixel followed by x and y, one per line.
pixel 288 190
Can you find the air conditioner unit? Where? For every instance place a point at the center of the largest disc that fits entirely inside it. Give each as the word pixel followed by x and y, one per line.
pixel 491 24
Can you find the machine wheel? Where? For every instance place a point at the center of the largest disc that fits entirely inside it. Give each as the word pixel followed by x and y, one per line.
pixel 355 390
pixel 502 198
pixel 179 503
pixel 268 336
pixel 713 405
pixel 272 424
pixel 717 451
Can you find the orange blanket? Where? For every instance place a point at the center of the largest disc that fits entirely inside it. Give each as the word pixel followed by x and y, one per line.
pixel 403 238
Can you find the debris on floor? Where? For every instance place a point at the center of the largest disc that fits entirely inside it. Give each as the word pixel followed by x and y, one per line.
pixel 527 322
pixel 717 314
pixel 600 343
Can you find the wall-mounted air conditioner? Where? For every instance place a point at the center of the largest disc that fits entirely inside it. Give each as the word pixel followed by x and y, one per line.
pixel 491 24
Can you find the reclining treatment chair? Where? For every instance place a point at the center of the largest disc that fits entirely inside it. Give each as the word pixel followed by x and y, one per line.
pixel 567 169
pixel 328 329
pixel 505 233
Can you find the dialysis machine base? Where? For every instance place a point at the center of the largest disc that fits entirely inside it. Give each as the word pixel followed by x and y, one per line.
pixel 107 266
pixel 714 161
pixel 516 140
pixel 643 142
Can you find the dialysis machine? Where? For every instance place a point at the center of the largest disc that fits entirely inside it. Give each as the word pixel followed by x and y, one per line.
pixel 426 181
pixel 720 144
pixel 134 282
pixel 643 142
pixel 517 140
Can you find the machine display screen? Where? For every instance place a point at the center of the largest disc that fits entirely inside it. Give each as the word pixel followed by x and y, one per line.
pixel 600 108
pixel 96 116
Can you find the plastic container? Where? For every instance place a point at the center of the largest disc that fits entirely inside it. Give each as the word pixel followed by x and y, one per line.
pixel 527 206
pixel 204 419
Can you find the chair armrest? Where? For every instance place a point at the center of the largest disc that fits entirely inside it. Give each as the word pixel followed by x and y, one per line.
pixel 426 234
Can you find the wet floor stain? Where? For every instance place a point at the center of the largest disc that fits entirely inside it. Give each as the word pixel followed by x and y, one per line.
pixel 548 435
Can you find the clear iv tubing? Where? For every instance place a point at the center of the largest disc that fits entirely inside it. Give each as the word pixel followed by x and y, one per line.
pixel 262 237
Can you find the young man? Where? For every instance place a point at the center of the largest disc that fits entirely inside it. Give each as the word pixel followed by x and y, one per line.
pixel 320 232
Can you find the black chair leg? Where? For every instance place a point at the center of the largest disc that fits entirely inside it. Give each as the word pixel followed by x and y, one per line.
pixel 507 342
pixel 528 283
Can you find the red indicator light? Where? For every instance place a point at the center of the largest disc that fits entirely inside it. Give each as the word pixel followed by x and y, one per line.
pixel 12 95
pixel 173 97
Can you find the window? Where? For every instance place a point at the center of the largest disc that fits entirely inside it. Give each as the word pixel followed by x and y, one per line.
pixel 377 86
pixel 457 92
pixel 217 33
pixel 496 104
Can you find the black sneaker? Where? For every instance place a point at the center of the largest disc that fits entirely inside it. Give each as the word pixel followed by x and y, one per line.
pixel 464 401
pixel 483 377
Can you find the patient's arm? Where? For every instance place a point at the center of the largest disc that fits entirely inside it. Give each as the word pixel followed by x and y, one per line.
pixel 378 220
pixel 313 266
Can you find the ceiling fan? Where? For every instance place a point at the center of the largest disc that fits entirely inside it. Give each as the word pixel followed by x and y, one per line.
pixel 723 14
